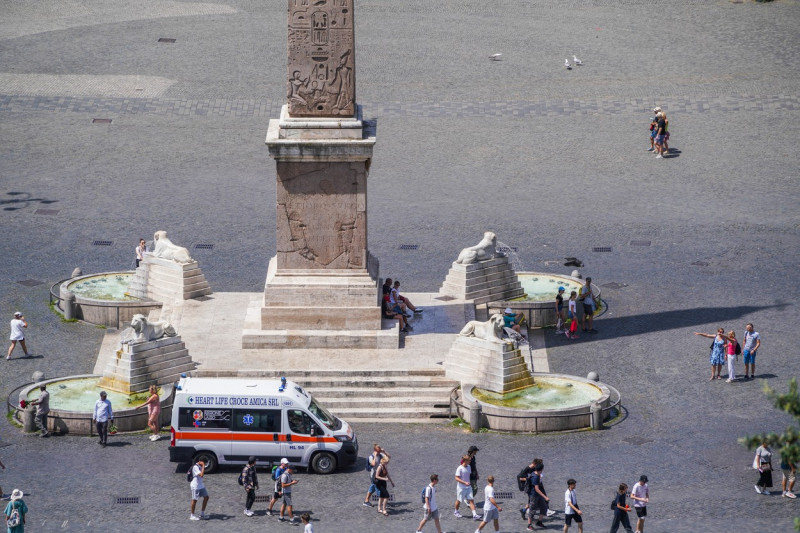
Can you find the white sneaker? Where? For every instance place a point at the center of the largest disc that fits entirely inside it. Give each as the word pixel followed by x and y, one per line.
pixel 248 512
pixel 758 489
pixel 766 492
pixel 659 156
pixel 456 514
pixel 550 512
pixel 790 495
pixel 194 517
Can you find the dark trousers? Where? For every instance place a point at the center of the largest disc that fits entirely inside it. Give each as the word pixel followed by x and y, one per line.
pixel 251 498
pixel 102 430
pixel 621 517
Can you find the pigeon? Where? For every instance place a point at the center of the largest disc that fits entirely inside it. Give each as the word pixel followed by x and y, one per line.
pixel 496 57
pixel 567 65
pixel 577 61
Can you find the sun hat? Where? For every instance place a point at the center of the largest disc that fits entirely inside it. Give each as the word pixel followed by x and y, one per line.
pixel 656 109
pixel 16 494
pixel 508 311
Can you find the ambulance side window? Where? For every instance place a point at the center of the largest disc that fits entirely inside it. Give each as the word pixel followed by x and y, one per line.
pixel 189 417
pixel 265 420
pixel 301 423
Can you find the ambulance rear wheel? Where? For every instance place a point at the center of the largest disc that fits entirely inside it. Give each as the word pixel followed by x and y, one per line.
pixel 324 463
pixel 208 458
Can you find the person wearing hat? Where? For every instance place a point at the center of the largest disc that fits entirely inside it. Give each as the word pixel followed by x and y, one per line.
pixel 18 325
pixel 286 486
pixel 250 482
pixel 277 489
pixel 512 320
pixel 640 496
pixel 560 310
pixel 102 415
pixel 653 126
pixel 16 504
pixel 473 472
pixel 661 133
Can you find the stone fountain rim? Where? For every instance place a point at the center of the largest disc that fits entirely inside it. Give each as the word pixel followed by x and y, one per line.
pixel 79 298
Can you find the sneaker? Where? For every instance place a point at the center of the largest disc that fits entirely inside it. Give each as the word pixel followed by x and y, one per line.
pixel 269 512
pixel 194 517
pixel 404 330
pixel 456 514
pixel 790 495
pixel 766 492
pixel 550 512
pixel 8 358
pixel 728 380
pixel 366 504
pixel 758 489
pixel 409 326
pixel 659 156
pixel 539 524
pixel 650 149
pixel 248 512
pixel 530 527
pixel 409 315
pixel 419 310
pixel 522 512
pixel 204 516
pixel 281 519
pixel 477 517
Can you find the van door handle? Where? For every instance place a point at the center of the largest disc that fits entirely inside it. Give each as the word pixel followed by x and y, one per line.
pixel 275 437
pixel 289 437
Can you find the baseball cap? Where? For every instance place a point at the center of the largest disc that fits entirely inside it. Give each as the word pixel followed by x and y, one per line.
pixel 643 478
pixel 473 448
pixel 508 311
pixel 561 289
pixel 17 314
pixel 284 461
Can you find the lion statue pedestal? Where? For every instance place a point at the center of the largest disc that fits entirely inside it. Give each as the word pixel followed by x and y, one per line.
pixel 481 357
pixel 482 274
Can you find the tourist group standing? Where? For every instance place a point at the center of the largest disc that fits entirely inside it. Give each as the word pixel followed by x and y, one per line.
pixel 725 348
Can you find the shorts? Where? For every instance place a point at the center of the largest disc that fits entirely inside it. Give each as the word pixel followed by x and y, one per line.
pixel 431 515
pixel 588 309
pixel 199 493
pixel 287 498
pixel 491 514
pixel 373 488
pixel 660 139
pixel 568 518
pixel 641 512
pixel 749 357
pixel 571 315
pixel 788 476
pixel 463 493
pixel 653 133
pixel 276 495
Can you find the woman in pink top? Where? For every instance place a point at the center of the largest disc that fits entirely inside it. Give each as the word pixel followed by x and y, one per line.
pixel 153 404
pixel 730 355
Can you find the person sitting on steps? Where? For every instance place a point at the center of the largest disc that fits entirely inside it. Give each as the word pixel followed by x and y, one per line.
pixel 388 312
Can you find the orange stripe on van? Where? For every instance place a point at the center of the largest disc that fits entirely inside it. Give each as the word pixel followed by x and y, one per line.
pixel 243 436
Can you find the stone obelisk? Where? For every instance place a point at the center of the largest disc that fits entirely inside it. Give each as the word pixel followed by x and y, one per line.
pixel 322 285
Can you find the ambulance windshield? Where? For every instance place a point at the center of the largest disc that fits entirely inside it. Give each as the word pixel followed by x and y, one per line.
pixel 330 421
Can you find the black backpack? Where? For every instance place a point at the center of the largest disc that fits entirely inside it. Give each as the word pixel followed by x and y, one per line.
pixel 241 476
pixel 523 483
pixel 189 475
pixel 738 349
pixel 614 503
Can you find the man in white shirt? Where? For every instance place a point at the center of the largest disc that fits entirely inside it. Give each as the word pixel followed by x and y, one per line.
pixel 640 496
pixel 18 325
pixel 587 298
pixel 464 488
pixel 491 511
pixel 430 506
pixel 102 416
pixel 199 490
pixel 752 342
pixel 571 511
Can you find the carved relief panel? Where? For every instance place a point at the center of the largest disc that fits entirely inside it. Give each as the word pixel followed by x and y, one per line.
pixel 321 67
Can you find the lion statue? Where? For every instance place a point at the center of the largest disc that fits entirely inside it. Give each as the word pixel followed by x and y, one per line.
pixel 486 249
pixel 165 249
pixel 491 330
pixel 150 331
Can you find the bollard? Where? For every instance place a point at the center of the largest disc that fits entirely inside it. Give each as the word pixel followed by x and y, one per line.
pixel 69 306
pixel 475 417
pixel 593 376
pixel 597 415
pixel 37 376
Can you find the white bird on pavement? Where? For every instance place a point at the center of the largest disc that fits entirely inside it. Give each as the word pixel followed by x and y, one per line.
pixel 577 61
pixel 496 57
pixel 567 65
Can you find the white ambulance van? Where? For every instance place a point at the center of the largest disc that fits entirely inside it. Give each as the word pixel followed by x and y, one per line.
pixel 225 421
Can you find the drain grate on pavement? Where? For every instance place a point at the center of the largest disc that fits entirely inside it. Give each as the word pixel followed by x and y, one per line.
pixel 204 246
pixel 506 249
pixel 637 441
pixel 126 500
pixel 504 495
pixel 102 243
pixel 167 40
pixel 47 211
pixel 700 264
pixel 374 498
pixel 409 246
pixel 602 249
pixel 30 282
pixel 263 498
pixel 640 243
pixel 101 121
pixel 445 298
pixel 614 285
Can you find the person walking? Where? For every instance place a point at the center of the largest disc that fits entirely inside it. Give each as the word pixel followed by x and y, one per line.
pixel 140 250
pixel 587 298
pixel 640 496
pixel 473 469
pixel 306 519
pixel 15 512
pixel 381 477
pixel 621 510
pixel 752 342
pixel 153 404
pixel 571 509
pixel 42 404
pixel 373 462
pixel 537 499
pixel 198 487
pixel 652 135
pixel 430 506
pixel 717 356
pixel 250 481
pixel 18 326
pixel 277 492
pixel 103 414
pixel 287 482
pixel 763 463
pixel 491 511
pixel 560 310
pixel 661 132
pixel 787 482
pixel 464 489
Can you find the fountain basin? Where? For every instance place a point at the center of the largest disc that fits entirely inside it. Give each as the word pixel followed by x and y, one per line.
pixel 72 400
pixel 538 305
pixel 557 402
pixel 101 298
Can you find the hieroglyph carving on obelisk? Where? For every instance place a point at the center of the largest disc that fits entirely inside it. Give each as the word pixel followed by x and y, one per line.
pixel 322 66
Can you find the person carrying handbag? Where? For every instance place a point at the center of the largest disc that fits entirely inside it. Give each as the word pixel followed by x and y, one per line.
pixel 763 463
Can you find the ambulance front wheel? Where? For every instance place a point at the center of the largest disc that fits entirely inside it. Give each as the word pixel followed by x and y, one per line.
pixel 208 458
pixel 324 463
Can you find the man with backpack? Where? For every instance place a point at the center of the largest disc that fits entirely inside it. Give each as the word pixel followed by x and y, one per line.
pixel 373 461
pixel 277 492
pixel 197 472
pixel 537 499
pixel 429 504
pixel 249 479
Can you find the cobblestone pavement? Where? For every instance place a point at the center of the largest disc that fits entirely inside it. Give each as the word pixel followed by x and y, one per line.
pixel 554 161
